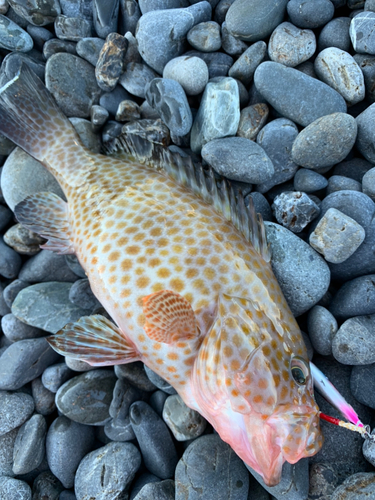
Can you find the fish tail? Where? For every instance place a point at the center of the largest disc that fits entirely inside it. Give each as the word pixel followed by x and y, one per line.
pixel 30 117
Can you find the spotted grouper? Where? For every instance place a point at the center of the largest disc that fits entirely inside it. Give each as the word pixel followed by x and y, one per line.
pixel 183 269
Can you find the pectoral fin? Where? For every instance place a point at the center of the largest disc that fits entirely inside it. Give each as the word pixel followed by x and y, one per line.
pixel 96 340
pixel 169 317
pixel 47 214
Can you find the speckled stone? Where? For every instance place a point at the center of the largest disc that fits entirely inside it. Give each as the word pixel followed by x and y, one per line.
pixel 367 66
pixel 13 37
pixel 184 422
pixel 294 210
pixel 72 29
pixel 342 183
pixel 14 489
pixel 252 120
pixel 205 37
pixel 136 77
pixel 110 64
pixel 15 409
pixel 322 327
pixel 362 33
pixel 366 133
pixel 354 343
pixel 22 240
pixel 290 45
pixel 29 447
pixel 356 487
pixel 355 298
pixel 311 14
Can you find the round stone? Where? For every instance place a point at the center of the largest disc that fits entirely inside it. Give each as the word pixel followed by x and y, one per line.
pixel 14 489
pixel 290 45
pixel 184 422
pixel 309 181
pixel 205 37
pixel 136 77
pixel 355 298
pixel 335 34
pixel 13 37
pixel 326 141
pixel 368 183
pixel 22 240
pixel 15 409
pixel 362 33
pixel 189 71
pixel 366 133
pixel 252 120
pixel 311 14
pixel 322 327
pixel 354 343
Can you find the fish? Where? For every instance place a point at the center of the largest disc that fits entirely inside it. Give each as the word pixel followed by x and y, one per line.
pixel 183 270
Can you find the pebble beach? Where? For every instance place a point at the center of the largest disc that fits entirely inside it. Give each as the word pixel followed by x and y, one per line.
pixel 278 97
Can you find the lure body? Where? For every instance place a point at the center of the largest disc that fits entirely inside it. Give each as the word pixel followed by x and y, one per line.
pixel 193 295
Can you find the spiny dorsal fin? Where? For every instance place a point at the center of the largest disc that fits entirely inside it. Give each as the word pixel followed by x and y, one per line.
pixel 191 175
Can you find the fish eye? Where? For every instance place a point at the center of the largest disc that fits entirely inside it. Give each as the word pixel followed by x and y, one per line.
pixel 300 370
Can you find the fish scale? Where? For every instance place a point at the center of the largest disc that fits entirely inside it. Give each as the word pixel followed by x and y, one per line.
pixel 183 272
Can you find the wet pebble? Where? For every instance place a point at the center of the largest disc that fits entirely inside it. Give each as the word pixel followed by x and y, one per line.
pixel 195 474
pixel 353 343
pixel 238 159
pixel 105 16
pixel 311 14
pixel 15 330
pixel 205 37
pixel 107 471
pixel 294 261
pixel 13 37
pixel 29 447
pixel 355 298
pixel 322 327
pixel 189 71
pixel 15 409
pixel 14 489
pixel 82 296
pixel 79 399
pixel 184 422
pixel 293 93
pixel 136 374
pixel 326 141
pixel 252 120
pixel 72 29
pixel 309 181
pixel 22 240
pixel 337 236
pixel 43 398
pixel 98 116
pixel 119 429
pixel 124 395
pixel 356 487
pixel 361 32
pixel 136 77
pixel 290 45
pixel 294 210
pixel 110 64
pixel 54 376
pixel 67 444
pixel 158 451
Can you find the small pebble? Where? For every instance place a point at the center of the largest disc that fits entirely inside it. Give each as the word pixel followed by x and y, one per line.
pixel 354 168
pixel 89 49
pixel 356 487
pixel 309 181
pixel 157 401
pixel 311 14
pixel 137 374
pixel 43 398
pixel 12 37
pixel 15 409
pixel 189 71
pixel 136 77
pixel 230 44
pixel 15 330
pixel 14 489
pixel 160 490
pixel 323 481
pixel 294 210
pixel 362 34
pixel 72 29
pixel 124 395
pixel 184 422
pixel 335 34
pixel 6 453
pixel 355 298
pixel 205 37
pixel 218 63
pixel 54 376
pixel 98 116
pixel 128 111
pixel 10 261
pixel 362 386
pixel 86 134
pixel 110 64
pixel 119 429
pixel 367 65
pixel 252 120
pixel 261 205
pixel 46 485
pixel 82 296
pixel 29 447
pixel 11 291
pixel 105 16
pixel 77 365
pixel 244 67
pixel 368 183
pixel 55 45
pixel 22 240
pixel 290 45
pixel 322 327
pixel 342 183
pixel 75 266
pixel 47 266
pixel 337 236
pixel 353 343
pixel 366 133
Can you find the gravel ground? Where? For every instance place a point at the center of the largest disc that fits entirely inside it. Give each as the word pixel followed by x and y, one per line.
pixel 289 85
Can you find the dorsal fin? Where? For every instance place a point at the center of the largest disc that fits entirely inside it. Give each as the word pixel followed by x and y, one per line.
pixel 204 184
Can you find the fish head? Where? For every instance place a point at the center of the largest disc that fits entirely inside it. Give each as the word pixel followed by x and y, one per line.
pixel 255 387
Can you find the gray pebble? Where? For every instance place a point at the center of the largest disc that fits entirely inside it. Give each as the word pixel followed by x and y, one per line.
pixel 362 34
pixel 39 35
pixel 189 71
pixel 54 376
pixel 77 365
pixel 157 401
pixel 43 398
pixel 209 468
pixel 356 487
pixel 261 205
pixel 368 183
pixel 160 490
pixel 168 98
pixel 124 395
pixel 326 141
pixel 98 116
pixel 294 210
pixel 110 64
pixel 81 295
pixel 23 361
pixel 107 472
pixel 79 399
pixel 46 485
pixel 353 343
pixel 367 66
pixel 366 133
pixel 136 374
pixel 12 63
pixel 218 114
pixel 10 261
pixel 309 181
pixel 12 37
pixel 6 453
pixel 75 266
pixel 218 63
pixel 22 176
pixel 252 20
pixel 67 495
pixel 290 45
pixel 105 16
pixel 303 275
pixel 46 266
pixel 335 34
pixel 205 37
pixel 6 216
pixel 244 67
pixel 142 480
pixel 238 159
pixel 354 168
pixel 55 45
pixel 230 44
pixel 149 5
pixel 221 10
pixel 119 429
pixel 129 16
pixel 89 49
pixel 111 100
pixel 14 489
pixel 72 29
pixel 6 146
pixel 86 134
pixel 66 445
pixel 342 183
pixel 11 290
pixel 4 309
pixel 15 409
pixel 71 81
pixel 337 236
pixel 322 327
pixel 277 138
pixel 355 298
pixel 340 71
pixel 311 14
pixel 22 240
pixel 362 386
pixel 323 480
pixel 252 120
pixel 184 422
pixel 296 95
pixel 158 451
pixel 15 330
pixel 161 34
pixel 136 77
pixel 29 447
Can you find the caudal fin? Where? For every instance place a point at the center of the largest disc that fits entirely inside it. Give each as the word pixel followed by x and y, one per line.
pixel 30 117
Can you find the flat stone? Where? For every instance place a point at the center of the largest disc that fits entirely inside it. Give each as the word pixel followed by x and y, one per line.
pixel 294 261
pixel 322 327
pixel 251 20
pixel 218 63
pixel 355 298
pixel 12 37
pixel 89 49
pixel 218 114
pixel 238 159
pixel 136 77
pixel 46 266
pixel 15 409
pixel 107 472
pixel 136 374
pixel 290 45
pixel 189 71
pixel 362 33
pixel 23 361
pixel 16 330
pixel 309 181
pixel 72 29
pixel 82 296
pixel 205 37
pixel 35 12
pixel 184 422
pixel 311 14
pixel 337 236
pixel 339 70
pixel 105 16
pixel 354 343
pixel 29 447
pixel 244 67
pixel 110 64
pixel 119 429
pixel 342 183
pixel 55 45
pixel 43 398
pixel 209 468
pixel 230 44
pixel 11 291
pixel 294 94
pixel 81 400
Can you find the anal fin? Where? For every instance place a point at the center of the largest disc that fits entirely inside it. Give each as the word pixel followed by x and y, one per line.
pixel 96 340
pixel 47 215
